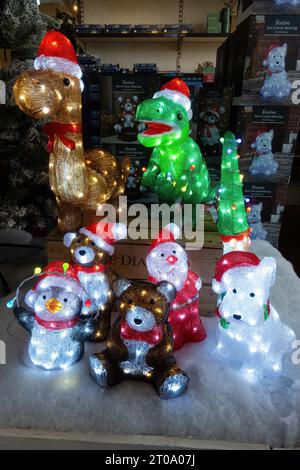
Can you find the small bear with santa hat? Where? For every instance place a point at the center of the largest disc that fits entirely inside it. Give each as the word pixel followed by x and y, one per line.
pixel 91 250
pixel 251 335
pixel 53 321
pixel 167 261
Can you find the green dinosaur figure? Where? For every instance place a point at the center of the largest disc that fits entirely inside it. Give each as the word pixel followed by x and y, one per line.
pixel 176 170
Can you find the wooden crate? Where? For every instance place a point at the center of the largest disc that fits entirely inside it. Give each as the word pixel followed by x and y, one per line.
pixel 129 261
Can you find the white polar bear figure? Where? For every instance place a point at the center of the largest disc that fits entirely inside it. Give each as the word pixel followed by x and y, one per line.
pixel 263 163
pixel 252 337
pixel 277 83
pixel 258 231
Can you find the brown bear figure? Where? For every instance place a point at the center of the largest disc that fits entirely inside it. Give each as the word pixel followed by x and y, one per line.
pixel 91 250
pixel 141 341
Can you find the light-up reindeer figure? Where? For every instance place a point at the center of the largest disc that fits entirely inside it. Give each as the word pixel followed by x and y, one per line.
pixel 53 90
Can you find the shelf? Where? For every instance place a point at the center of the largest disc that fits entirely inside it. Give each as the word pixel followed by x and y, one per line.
pixel 141 37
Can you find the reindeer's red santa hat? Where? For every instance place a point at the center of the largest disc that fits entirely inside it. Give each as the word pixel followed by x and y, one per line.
pixel 57 53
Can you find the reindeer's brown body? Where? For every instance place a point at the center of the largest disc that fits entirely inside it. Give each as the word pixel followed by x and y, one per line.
pixel 80 181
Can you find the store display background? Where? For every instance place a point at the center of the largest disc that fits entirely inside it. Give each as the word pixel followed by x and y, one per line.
pixel 219 404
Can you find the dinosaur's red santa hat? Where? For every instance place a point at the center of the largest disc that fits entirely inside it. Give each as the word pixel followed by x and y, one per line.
pixel 177 91
pixel 57 53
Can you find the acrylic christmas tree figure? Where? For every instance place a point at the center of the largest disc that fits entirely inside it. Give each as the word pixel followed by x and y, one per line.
pixel 232 221
pixel 176 171
pixel 252 337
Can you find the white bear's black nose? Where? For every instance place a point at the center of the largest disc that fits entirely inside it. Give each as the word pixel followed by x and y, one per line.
pixel 237 317
pixel 138 321
pixel 82 252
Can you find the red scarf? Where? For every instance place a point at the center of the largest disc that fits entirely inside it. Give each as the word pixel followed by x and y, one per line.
pixel 53 129
pixel 56 325
pixel 97 268
pixel 154 336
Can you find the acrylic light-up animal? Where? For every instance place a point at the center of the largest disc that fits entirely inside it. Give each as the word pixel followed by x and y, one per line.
pixel 57 332
pixel 53 90
pixel 252 336
pixel 176 170
pixel 141 343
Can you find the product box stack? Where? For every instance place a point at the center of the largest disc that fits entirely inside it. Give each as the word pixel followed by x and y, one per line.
pixel 261 62
pixel 91 101
pixel 213 121
pixel 121 94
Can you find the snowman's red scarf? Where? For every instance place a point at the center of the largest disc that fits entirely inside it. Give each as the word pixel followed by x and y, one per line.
pixel 56 325
pixel 97 268
pixel 152 337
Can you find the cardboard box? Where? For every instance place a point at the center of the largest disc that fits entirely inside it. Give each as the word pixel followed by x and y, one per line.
pixel 214 118
pixel 267 202
pixel 139 157
pixel 256 58
pixel 269 135
pixel 91 104
pixel 129 261
pixel 121 94
pixel 267 7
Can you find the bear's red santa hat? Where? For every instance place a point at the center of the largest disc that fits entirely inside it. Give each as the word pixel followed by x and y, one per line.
pixel 177 91
pixel 57 53
pixel 103 234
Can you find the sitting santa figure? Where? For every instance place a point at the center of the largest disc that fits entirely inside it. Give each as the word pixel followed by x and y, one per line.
pixel 167 261
pixel 252 336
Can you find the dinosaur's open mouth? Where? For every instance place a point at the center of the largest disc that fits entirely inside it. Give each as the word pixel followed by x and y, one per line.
pixel 156 128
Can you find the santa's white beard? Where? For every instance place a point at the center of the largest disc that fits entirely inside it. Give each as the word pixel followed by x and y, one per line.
pixel 176 274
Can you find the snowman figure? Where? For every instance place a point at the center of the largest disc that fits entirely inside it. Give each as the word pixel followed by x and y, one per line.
pixel 57 331
pixel 167 261
pixel 276 84
pixel 258 232
pixel 263 163
pixel 252 337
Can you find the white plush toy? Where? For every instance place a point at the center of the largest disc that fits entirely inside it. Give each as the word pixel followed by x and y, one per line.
pixel 263 163
pixel 276 84
pixel 251 334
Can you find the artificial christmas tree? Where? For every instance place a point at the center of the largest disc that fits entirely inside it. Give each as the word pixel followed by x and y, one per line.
pixel 26 199
pixel 232 222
